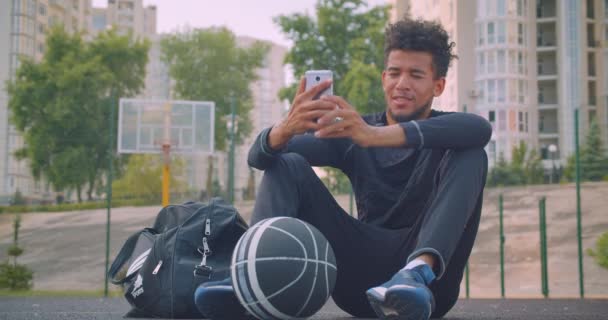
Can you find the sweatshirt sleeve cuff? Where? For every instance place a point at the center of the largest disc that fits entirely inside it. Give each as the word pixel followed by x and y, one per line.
pixel 266 149
pixel 413 134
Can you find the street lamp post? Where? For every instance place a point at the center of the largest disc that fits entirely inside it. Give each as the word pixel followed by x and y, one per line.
pixel 553 152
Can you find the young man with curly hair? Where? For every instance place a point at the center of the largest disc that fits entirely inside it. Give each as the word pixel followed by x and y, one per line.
pixel 418 176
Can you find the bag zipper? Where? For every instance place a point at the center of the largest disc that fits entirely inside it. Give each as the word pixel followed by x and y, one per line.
pixel 203 269
pixel 160 263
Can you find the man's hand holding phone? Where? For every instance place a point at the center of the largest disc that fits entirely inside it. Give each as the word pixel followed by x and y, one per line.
pixel 303 114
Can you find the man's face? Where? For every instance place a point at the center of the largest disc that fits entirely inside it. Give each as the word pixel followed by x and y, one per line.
pixel 409 85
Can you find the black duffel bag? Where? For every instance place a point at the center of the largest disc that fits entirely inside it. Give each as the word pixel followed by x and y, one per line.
pixel 159 268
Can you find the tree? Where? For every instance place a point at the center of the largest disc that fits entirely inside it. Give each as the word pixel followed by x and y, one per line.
pixel 344 37
pixel 525 168
pixel 601 251
pixel 208 65
pixel 348 38
pixel 143 177
pixel 15 276
pixel 593 158
pixel 61 105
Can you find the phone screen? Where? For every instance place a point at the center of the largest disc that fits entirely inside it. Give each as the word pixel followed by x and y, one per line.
pixel 314 77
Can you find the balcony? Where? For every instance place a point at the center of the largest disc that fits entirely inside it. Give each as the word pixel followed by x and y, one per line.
pixel 546 35
pixel 547 64
pixel 547 122
pixel 546 9
pixel 547 92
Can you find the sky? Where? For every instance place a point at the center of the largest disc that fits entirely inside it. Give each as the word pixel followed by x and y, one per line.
pixel 244 17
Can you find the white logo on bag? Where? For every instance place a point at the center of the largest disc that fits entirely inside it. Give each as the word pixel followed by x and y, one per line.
pixel 138 287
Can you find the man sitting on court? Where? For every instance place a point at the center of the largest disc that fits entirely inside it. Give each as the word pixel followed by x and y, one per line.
pixel 418 176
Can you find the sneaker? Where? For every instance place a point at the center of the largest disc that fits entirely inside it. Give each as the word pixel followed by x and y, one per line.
pixel 217 300
pixel 406 296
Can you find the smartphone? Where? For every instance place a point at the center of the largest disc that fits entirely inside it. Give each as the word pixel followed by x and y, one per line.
pixel 314 77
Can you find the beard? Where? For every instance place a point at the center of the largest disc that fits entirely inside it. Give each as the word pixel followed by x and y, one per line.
pixel 416 115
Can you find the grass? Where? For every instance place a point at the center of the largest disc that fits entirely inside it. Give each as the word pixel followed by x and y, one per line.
pixel 59 293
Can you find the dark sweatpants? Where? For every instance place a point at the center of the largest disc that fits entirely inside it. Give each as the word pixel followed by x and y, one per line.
pixel 368 255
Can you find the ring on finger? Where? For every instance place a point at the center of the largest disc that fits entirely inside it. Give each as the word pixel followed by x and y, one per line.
pixel 338 119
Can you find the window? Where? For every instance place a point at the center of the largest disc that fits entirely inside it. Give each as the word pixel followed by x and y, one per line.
pixel 481 33
pixel 42 10
pixel 491 62
pixel 512 90
pixel 501 84
pixel 520 33
pixel 521 121
pixel 501 31
pixel 520 9
pixel 502 117
pixel 521 86
pixel 40 28
pixel 491 91
pixel 500 8
pixel 512 64
pixel 492 116
pixel 525 122
pixel 481 63
pixel 502 61
pixel 40 47
pixel 520 63
pixel 592 93
pixel 490 32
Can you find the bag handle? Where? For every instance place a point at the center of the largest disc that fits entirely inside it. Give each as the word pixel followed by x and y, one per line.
pixel 123 256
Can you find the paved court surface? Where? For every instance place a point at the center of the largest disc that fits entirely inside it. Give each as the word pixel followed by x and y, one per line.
pixel 474 309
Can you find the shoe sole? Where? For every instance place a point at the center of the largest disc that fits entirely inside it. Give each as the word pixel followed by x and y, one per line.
pixel 399 304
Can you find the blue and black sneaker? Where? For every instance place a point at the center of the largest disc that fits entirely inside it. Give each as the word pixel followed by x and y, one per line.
pixel 405 296
pixel 217 300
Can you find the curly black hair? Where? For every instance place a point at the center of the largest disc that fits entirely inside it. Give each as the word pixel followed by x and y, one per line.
pixel 421 35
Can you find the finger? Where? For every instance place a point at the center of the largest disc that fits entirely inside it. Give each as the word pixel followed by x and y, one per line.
pixel 338 101
pixel 332 129
pixel 316 105
pixel 302 86
pixel 317 89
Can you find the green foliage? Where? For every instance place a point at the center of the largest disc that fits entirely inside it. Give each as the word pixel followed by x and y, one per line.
pixel 61 106
pixel 525 168
pixel 143 176
pixel 346 37
pixel 18 199
pixel 601 251
pixel 593 158
pixel 336 181
pixel 13 275
pixel 207 65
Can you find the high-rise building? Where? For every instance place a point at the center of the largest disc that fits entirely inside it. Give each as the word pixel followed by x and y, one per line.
pixel 23 26
pixel 529 65
pixel 267 109
pixel 128 16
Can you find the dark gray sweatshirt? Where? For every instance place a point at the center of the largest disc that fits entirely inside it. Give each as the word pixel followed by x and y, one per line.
pixel 391 185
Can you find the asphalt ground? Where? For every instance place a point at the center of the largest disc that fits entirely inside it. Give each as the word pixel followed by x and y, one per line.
pixel 47 308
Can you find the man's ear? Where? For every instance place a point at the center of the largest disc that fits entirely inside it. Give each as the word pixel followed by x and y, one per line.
pixel 438 86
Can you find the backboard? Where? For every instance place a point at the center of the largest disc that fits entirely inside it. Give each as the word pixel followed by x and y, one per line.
pixel 144 126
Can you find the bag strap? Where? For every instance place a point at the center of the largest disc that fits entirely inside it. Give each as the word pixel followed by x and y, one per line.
pixel 123 256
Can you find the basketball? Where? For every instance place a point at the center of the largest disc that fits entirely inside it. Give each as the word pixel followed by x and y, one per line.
pixel 283 268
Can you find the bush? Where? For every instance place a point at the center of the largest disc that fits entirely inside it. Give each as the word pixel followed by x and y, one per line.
pixel 601 251
pixel 15 276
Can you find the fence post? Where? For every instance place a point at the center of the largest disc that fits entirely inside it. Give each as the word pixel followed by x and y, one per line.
pixel 581 282
pixel 543 247
pixel 502 246
pixel 109 188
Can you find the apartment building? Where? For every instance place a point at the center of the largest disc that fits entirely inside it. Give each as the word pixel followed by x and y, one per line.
pixel 534 62
pixel 23 25
pixel 128 16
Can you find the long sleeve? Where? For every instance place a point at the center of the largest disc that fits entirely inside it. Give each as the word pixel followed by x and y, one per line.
pixel 448 131
pixel 318 152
